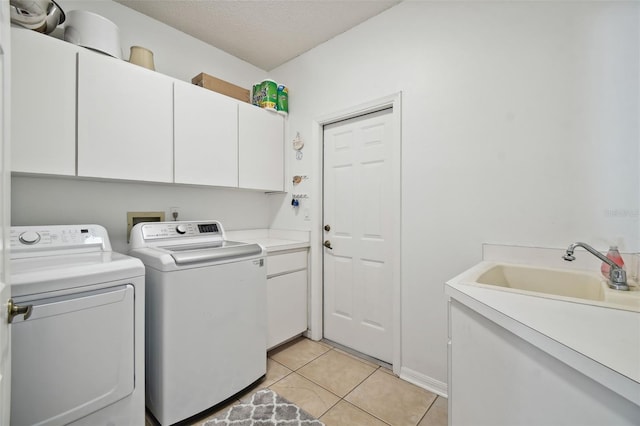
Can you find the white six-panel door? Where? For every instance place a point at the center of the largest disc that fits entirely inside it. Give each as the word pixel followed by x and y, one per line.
pixel 358 270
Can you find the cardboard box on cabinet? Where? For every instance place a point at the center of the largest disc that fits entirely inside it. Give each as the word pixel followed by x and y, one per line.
pixel 212 83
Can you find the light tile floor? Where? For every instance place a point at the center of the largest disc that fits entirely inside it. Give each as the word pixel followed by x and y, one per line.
pixel 343 390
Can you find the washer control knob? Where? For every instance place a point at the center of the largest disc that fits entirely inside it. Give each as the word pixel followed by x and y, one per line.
pixel 29 237
pixel 181 229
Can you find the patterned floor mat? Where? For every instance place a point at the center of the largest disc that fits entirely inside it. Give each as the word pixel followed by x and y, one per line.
pixel 264 408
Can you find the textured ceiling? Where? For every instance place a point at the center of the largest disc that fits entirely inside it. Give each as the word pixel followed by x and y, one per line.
pixel 265 33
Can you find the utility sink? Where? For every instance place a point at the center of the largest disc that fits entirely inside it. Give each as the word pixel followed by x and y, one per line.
pixel 579 286
pixel 548 281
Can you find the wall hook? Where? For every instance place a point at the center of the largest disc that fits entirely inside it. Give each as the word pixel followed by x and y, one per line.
pixel 299 178
pixel 298 143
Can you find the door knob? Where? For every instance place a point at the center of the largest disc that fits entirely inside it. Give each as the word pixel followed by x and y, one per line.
pixel 327 244
pixel 15 310
pixel 327 228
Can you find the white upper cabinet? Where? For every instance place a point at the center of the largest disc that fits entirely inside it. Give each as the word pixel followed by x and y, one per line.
pixel 77 112
pixel 206 137
pixel 43 104
pixel 125 120
pixel 261 149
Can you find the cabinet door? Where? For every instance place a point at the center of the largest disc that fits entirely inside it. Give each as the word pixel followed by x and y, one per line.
pixel 206 136
pixel 498 378
pixel 261 148
pixel 286 307
pixel 43 104
pixel 125 120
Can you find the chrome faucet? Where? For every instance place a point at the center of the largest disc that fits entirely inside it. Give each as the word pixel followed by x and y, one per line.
pixel 617 275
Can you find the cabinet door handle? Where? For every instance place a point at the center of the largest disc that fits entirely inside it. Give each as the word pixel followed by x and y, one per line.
pixel 15 310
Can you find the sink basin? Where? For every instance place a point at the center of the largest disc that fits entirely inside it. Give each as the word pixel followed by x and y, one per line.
pixel 549 281
pixel 579 286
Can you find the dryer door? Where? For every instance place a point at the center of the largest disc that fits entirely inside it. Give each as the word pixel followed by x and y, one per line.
pixel 73 356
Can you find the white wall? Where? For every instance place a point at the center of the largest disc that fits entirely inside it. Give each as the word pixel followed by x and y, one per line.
pixel 42 200
pixel 59 201
pixel 175 53
pixel 520 126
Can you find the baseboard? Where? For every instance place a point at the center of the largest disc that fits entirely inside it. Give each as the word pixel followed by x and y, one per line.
pixel 424 381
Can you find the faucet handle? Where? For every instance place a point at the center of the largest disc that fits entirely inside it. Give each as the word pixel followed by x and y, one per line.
pixel 618 278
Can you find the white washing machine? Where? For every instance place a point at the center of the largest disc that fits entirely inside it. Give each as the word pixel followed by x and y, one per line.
pixel 206 315
pixel 77 348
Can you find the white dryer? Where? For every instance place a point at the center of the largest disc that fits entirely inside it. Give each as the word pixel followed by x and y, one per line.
pixel 206 315
pixel 77 347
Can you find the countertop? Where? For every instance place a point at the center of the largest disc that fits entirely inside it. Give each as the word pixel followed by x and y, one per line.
pixel 601 342
pixel 273 240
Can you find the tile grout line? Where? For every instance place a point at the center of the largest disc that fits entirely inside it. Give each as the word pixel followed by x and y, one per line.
pixel 306 378
pixel 359 409
pixel 343 398
pixel 340 398
pixel 305 364
pixel 356 386
pixel 382 371
pixel 428 408
pixel 369 364
pixel 318 384
pixel 328 390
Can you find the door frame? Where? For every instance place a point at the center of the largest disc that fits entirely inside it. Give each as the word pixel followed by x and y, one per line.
pixel 5 211
pixel 316 303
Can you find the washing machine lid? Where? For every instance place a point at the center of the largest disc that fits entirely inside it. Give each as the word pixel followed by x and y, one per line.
pixel 169 246
pixel 175 257
pixel 186 254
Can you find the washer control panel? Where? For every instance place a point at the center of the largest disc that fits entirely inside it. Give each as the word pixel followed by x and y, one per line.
pixel 39 238
pixel 29 237
pixel 162 230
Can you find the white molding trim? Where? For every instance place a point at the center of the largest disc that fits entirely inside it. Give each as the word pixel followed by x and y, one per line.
pixel 315 331
pixel 425 382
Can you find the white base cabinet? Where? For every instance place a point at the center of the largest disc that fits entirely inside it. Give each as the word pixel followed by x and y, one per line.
pixel 496 378
pixel 286 296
